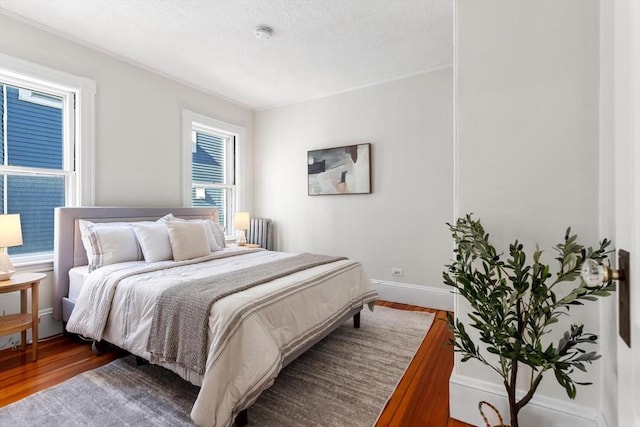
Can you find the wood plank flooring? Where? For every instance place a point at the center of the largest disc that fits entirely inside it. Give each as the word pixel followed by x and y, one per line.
pixel 59 359
pixel 421 398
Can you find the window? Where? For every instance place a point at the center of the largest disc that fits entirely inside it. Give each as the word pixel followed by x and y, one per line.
pixel 211 167
pixel 46 146
pixel 212 171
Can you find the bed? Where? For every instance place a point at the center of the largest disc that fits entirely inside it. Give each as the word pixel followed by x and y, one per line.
pixel 249 333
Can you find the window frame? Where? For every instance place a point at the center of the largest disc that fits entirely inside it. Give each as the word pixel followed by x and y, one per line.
pixel 193 121
pixel 79 143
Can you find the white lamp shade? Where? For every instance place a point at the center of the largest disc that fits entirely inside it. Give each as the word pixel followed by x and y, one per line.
pixel 10 230
pixel 10 235
pixel 242 221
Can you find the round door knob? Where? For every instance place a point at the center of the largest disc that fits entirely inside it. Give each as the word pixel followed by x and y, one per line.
pixel 594 274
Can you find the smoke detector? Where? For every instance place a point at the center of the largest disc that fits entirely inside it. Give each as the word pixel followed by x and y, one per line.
pixel 263 32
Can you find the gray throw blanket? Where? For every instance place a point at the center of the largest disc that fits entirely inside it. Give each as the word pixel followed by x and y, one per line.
pixel 179 329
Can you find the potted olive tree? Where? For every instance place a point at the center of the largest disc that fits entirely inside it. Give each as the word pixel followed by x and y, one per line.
pixel 514 303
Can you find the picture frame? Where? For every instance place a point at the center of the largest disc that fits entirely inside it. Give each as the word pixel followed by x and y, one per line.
pixel 339 170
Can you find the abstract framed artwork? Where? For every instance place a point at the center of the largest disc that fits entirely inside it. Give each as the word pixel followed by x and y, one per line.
pixel 340 170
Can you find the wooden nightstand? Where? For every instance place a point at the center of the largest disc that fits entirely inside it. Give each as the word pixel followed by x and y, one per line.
pixel 245 246
pixel 13 323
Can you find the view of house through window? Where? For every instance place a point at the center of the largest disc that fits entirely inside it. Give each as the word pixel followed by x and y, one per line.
pixel 35 174
pixel 213 171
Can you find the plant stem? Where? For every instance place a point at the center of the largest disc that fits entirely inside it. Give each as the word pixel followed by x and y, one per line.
pixel 513 377
pixel 511 394
pixel 527 397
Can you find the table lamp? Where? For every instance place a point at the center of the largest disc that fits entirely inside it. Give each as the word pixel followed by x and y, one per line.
pixel 10 235
pixel 241 224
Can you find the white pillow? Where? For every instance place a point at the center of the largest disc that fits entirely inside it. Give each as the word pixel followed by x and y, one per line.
pixel 188 239
pixel 109 243
pixel 214 236
pixel 154 241
pixel 218 234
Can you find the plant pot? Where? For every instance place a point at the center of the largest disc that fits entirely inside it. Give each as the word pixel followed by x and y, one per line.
pixel 494 409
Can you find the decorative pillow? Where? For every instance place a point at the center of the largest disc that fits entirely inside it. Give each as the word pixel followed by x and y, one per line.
pixel 212 230
pixel 109 243
pixel 154 241
pixel 218 234
pixel 188 239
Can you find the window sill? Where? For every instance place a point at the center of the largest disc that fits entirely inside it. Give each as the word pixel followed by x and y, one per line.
pixel 33 263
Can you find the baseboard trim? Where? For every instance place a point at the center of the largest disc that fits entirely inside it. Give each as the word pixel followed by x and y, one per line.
pixel 47 327
pixel 602 421
pixel 407 293
pixel 465 393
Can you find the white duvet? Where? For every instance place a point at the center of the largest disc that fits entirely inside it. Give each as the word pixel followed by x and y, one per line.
pixel 277 318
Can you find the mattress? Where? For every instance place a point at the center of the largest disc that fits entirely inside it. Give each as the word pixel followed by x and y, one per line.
pixel 77 277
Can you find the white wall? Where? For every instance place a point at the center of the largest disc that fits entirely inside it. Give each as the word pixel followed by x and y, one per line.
pixel 138 117
pixel 402 223
pixel 138 123
pixel 527 143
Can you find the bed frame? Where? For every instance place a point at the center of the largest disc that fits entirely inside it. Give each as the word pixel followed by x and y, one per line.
pixel 69 252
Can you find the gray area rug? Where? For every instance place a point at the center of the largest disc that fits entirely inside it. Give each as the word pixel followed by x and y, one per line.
pixel 345 380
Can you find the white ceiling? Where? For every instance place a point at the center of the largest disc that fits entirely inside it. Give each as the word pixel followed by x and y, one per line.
pixel 318 47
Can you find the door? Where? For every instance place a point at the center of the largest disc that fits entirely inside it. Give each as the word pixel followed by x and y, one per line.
pixel 626 145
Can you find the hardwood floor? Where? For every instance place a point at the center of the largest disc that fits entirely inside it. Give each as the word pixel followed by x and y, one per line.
pixel 421 398
pixel 59 359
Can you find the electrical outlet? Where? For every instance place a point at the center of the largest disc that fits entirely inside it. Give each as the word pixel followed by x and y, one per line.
pixel 396 272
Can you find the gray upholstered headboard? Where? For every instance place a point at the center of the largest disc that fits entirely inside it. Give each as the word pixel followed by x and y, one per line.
pixel 68 251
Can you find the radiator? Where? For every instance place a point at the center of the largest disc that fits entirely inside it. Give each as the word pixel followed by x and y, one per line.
pixel 261 233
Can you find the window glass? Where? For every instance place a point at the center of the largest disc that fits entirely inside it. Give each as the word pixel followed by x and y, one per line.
pixel 34 198
pixel 208 159
pixel 213 197
pixel 211 173
pixel 34 131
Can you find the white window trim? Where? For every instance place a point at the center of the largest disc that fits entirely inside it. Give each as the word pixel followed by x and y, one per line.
pixel 18 71
pixel 191 119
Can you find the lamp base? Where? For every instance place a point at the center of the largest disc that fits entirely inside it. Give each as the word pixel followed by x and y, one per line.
pixel 6 275
pixel 6 268
pixel 242 240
